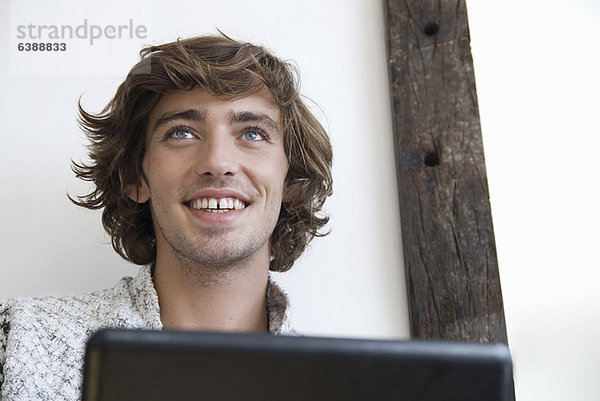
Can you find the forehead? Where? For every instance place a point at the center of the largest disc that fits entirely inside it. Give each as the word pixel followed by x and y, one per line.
pixel 214 107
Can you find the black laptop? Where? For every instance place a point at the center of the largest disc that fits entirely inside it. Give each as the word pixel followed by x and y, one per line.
pixel 175 365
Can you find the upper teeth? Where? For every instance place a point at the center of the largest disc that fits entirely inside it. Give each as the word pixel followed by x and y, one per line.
pixel 216 205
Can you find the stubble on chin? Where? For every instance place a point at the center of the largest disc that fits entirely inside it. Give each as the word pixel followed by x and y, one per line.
pixel 213 258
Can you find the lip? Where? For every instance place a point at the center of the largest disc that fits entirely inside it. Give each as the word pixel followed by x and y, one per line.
pixel 216 218
pixel 217 194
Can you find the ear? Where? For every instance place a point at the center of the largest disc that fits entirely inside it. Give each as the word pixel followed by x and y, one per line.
pixel 139 193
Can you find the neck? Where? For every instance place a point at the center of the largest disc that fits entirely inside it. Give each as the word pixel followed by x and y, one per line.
pixel 213 298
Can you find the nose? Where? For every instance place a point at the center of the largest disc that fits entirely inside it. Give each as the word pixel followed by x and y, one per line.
pixel 217 156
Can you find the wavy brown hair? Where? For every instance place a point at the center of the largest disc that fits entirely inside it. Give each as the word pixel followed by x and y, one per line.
pixel 228 69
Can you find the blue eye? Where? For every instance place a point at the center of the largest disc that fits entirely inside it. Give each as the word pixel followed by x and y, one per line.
pixel 253 136
pixel 182 133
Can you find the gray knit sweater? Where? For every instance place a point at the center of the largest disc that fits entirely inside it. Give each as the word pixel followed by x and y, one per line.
pixel 42 339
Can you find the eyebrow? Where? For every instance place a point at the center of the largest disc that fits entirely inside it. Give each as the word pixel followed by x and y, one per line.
pixel 250 116
pixel 189 114
pixel 201 115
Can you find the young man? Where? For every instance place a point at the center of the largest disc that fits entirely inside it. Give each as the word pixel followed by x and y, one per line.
pixel 210 172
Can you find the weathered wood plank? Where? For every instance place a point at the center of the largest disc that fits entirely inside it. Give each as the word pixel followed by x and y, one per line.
pixel 448 238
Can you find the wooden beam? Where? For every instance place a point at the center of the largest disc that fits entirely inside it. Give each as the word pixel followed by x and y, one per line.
pixel 448 238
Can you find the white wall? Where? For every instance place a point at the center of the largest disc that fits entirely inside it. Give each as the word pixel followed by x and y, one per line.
pixel 350 283
pixel 536 66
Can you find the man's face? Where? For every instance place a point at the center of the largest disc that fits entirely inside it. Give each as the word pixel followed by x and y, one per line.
pixel 214 175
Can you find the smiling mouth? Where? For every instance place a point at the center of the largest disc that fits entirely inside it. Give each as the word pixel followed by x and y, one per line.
pixel 214 205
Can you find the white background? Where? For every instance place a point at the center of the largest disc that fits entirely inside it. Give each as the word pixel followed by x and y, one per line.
pixel 537 69
pixel 536 66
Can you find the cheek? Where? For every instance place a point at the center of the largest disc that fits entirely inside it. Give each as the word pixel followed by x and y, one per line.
pixel 266 169
pixel 283 175
pixel 162 173
pixel 277 172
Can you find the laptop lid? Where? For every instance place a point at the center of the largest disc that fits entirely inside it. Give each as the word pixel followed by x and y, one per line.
pixel 175 365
